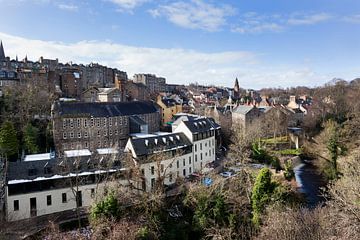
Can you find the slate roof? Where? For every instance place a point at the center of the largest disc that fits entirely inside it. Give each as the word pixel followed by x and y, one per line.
pixel 243 109
pixel 105 109
pixel 199 125
pixel 169 102
pixel 161 143
pixel 21 169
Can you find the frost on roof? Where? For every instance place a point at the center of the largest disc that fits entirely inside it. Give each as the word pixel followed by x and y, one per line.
pixel 77 153
pixel 37 157
pixel 107 151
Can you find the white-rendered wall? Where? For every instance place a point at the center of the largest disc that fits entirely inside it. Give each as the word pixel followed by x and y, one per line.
pixel 174 170
pixel 208 152
pixel 56 200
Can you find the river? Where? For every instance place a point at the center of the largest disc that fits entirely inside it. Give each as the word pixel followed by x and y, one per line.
pixel 309 182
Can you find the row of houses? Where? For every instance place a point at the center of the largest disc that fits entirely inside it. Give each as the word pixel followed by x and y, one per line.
pixel 97 143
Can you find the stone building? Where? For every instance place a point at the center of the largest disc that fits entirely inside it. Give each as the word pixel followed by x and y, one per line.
pixel 8 79
pixel 151 81
pixel 245 116
pixel 168 108
pixel 131 90
pixel 79 125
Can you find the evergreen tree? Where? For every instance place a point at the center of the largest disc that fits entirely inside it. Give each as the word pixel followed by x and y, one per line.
pixel 261 193
pixel 9 143
pixel 31 135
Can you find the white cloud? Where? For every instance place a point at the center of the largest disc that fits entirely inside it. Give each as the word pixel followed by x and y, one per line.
pixel 299 19
pixel 68 7
pixel 179 66
pixel 352 19
pixel 128 5
pixel 196 14
pixel 258 28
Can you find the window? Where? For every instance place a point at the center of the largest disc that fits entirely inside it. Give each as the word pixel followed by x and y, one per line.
pixel 64 135
pixel 71 134
pixel 201 165
pixel 177 164
pixel 63 197
pixel 184 162
pixel 110 132
pixel 105 132
pixel 99 144
pixel 210 152
pixel 98 122
pixel 170 177
pixel 98 133
pixel 86 145
pixel 85 123
pixel 85 134
pixel 48 200
pixel 79 134
pixel 162 168
pixel 110 122
pixel 205 144
pixel 189 160
pixel 189 170
pixel 201 157
pixel 78 122
pixel 92 122
pixel 71 123
pixel 195 147
pixel 152 170
pixel 116 132
pixel 195 158
pixel 104 122
pixel 170 165
pixel 92 194
pixel 16 205
pixel 200 146
pixel 184 172
pixel 64 123
pixel 152 183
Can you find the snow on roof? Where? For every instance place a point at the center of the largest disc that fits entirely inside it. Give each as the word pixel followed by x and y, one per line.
pixel 107 151
pixel 77 153
pixel 16 181
pixel 37 157
pixel 142 135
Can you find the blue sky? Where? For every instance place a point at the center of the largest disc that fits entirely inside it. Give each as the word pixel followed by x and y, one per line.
pixel 265 43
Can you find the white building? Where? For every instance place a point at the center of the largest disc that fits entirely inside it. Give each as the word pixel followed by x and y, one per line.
pixel 161 157
pixel 41 184
pixel 191 145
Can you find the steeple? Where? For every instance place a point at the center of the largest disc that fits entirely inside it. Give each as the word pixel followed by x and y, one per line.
pixel 236 89
pixel 2 53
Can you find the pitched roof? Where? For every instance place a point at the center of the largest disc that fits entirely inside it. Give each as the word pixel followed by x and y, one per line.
pixel 161 143
pixel 243 109
pixel 105 109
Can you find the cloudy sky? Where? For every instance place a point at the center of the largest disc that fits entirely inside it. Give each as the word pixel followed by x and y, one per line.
pixel 265 43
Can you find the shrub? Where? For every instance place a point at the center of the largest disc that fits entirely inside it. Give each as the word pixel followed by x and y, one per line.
pixel 109 207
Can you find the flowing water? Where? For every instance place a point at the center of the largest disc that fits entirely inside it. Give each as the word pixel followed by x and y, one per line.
pixel 309 182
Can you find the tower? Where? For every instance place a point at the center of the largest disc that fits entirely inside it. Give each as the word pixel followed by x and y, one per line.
pixel 236 89
pixel 2 53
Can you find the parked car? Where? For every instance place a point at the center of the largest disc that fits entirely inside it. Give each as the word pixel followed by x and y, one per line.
pixel 193 177
pixel 226 174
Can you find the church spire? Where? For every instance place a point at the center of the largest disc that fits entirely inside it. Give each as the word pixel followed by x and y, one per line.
pixel 236 89
pixel 2 53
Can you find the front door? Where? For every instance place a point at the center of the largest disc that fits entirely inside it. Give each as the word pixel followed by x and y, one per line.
pixel 33 211
pixel 79 198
